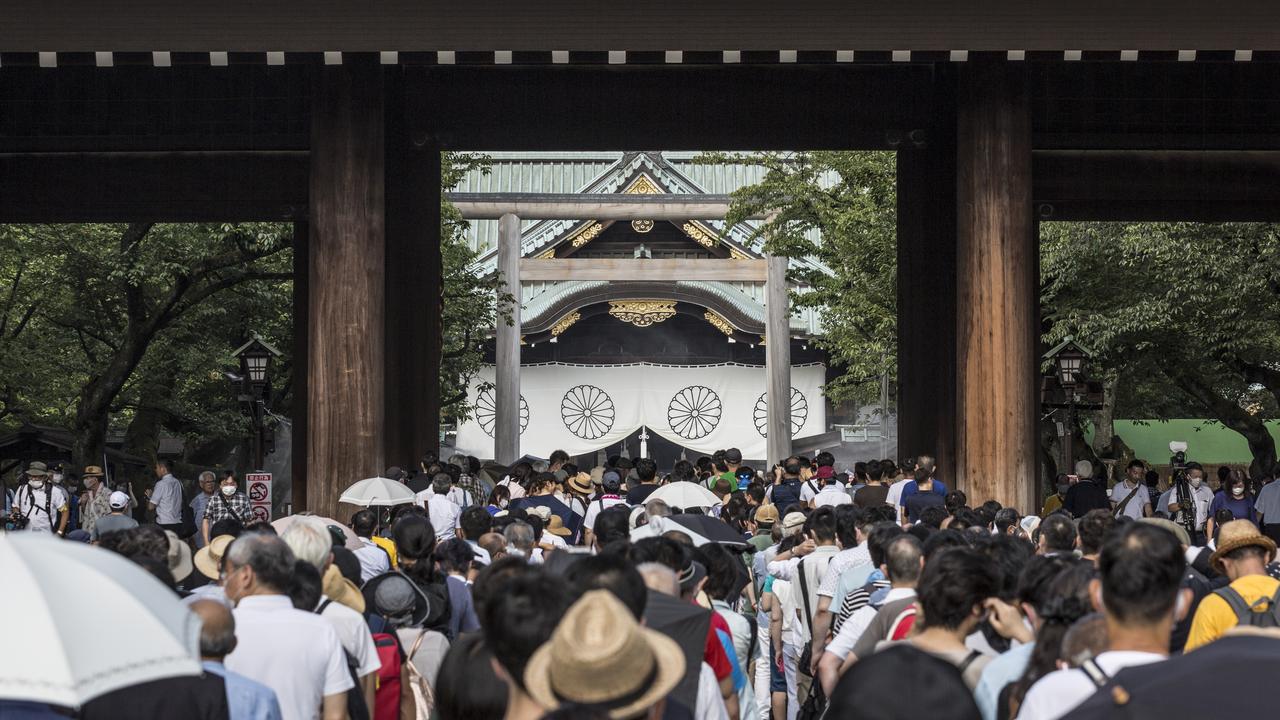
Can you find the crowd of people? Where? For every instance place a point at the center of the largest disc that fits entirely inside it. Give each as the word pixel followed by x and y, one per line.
pixel 801 592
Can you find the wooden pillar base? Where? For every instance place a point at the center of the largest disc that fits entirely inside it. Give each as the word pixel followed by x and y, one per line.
pixel 997 300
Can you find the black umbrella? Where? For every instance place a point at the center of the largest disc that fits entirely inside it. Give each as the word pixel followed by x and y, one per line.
pixel 1175 688
pixel 686 624
pixel 713 529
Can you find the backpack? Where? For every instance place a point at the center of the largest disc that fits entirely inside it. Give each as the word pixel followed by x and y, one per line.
pixel 786 494
pixel 401 692
pixel 1255 615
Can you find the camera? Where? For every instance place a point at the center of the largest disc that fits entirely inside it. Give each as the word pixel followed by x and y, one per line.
pixel 1179 459
pixel 15 522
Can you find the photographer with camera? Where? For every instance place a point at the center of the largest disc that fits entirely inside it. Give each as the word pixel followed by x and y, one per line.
pixel 37 505
pixel 1188 498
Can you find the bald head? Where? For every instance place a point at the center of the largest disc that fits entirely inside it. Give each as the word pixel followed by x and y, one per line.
pixel 217 629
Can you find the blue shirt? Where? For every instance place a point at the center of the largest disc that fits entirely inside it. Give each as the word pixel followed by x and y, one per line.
pixel 198 505
pixel 246 699
pixel 1001 671
pixel 910 489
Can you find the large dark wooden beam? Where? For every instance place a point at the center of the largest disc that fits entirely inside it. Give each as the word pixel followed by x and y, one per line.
pixel 997 307
pixel 926 394
pixel 345 387
pixel 414 308
pixel 301 368
pixel 1165 185
pixel 163 187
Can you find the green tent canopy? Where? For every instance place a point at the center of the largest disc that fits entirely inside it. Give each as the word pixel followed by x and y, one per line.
pixel 1207 441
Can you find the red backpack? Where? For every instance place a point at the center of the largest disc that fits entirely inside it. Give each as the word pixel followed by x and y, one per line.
pixel 400 691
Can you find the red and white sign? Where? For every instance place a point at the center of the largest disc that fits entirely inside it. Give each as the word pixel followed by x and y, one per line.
pixel 258 487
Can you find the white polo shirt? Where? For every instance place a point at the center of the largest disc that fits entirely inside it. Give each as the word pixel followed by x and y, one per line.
pixel 833 494
pixel 353 633
pixel 298 654
pixel 442 512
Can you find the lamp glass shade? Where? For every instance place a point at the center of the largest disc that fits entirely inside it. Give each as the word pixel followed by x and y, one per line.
pixel 256 365
pixel 1069 368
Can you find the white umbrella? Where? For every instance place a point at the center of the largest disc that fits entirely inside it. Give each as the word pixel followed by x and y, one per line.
pixel 684 494
pixel 377 491
pixel 82 622
pixel 656 526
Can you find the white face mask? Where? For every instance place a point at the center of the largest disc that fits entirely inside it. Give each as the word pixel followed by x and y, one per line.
pixel 1237 490
pixel 35 484
pixel 57 478
pixel 1195 482
pixel 228 490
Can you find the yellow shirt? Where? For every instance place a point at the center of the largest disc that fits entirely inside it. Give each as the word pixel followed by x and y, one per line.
pixel 1214 616
pixel 386 544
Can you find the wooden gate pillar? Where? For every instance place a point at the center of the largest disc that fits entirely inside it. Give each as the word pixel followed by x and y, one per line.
pixel 346 283
pixel 414 301
pixel 777 360
pixel 997 302
pixel 926 172
pixel 506 421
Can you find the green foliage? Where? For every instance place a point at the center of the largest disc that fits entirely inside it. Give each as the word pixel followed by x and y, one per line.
pixel 470 308
pixel 838 209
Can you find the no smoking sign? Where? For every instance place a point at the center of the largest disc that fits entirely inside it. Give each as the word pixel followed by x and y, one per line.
pixel 259 490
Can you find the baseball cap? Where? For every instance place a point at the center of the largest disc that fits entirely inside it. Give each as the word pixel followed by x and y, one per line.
pixel 118 500
pixel 793 521
pixel 767 514
pixel 611 480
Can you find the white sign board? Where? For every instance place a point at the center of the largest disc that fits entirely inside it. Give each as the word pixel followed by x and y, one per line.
pixel 258 488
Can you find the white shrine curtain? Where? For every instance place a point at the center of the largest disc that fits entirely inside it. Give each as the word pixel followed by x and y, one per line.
pixel 582 408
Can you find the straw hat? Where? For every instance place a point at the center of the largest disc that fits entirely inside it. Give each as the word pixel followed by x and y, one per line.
pixel 93 470
pixel 179 557
pixel 1237 534
pixel 555 526
pixel 209 557
pixel 342 590
pixel 599 655
pixel 580 483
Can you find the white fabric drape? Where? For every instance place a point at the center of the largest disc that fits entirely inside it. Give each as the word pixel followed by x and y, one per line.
pixel 582 408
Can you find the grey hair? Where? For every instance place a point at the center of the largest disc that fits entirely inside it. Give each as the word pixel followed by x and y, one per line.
pixel 440 483
pixel 657 508
pixel 270 558
pixel 459 460
pixel 540 466
pixel 519 534
pixel 659 577
pixel 309 539
pixel 209 474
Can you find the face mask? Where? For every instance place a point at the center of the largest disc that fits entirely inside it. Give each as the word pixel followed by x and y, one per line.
pixel 57 478
pixel 1195 482
pixel 503 504
pixel 36 484
pixel 228 490
pixel 1237 490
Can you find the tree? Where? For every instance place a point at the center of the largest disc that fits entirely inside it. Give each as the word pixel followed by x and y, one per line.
pixel 128 284
pixel 1184 317
pixel 838 209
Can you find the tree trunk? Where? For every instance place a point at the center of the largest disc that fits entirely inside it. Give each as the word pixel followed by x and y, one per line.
pixel 1254 430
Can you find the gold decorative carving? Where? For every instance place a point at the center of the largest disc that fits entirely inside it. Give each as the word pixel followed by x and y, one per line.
pixel 587 234
pixel 736 254
pixel 699 235
pixel 642 226
pixel 565 323
pixel 720 323
pixel 548 255
pixel 642 313
pixel 643 186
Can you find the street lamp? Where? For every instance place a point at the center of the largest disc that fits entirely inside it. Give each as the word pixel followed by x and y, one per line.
pixel 256 358
pixel 1072 391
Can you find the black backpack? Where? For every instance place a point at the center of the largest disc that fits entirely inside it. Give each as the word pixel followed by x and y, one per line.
pixel 1263 613
pixel 786 494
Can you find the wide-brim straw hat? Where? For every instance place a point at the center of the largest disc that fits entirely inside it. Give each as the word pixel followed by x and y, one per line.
pixel 342 590
pixel 555 526
pixel 179 557
pixel 209 558
pixel 1237 534
pixel 601 657
pixel 580 483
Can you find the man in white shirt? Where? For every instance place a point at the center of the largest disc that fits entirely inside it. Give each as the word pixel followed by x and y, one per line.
pixel 166 497
pixel 295 653
pixel 903 561
pixel 311 542
pixel 1130 498
pixel 831 494
pixel 43 505
pixel 442 511
pixel 851 528
pixel 373 559
pixel 1139 593
pixel 611 484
